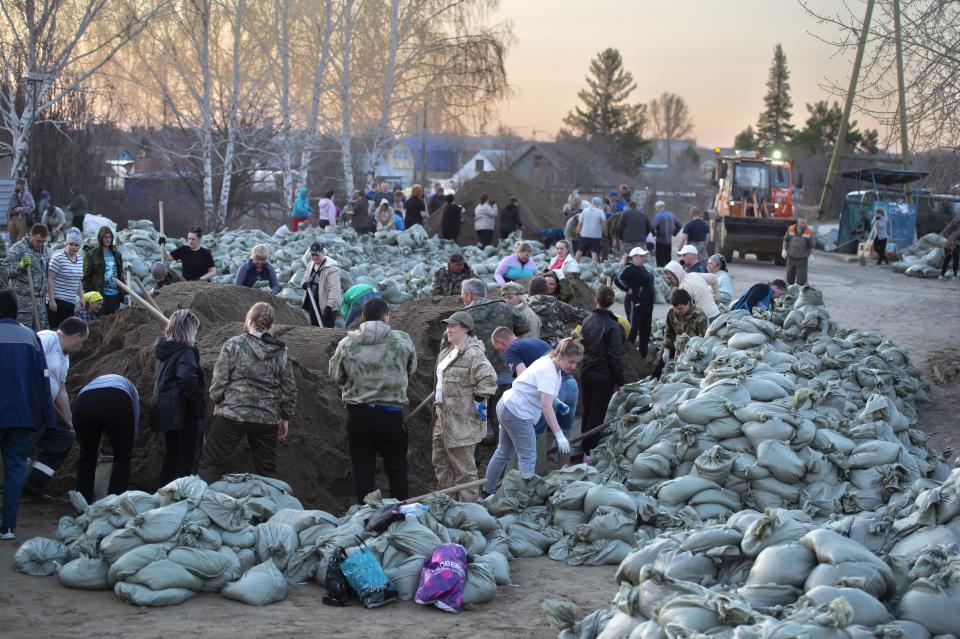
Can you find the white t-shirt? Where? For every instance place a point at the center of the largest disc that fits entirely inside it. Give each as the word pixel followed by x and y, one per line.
pixel 523 398
pixel 57 361
pixel 592 220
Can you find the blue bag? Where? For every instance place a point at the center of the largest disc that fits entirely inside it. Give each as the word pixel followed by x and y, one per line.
pixel 365 575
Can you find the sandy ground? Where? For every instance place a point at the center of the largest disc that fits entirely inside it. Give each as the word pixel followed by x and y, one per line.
pixel 920 315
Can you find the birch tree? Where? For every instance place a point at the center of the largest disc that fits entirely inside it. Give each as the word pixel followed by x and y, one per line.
pixel 345 99
pixel 49 48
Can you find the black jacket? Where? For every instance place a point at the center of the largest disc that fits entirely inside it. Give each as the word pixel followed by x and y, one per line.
pixel 634 226
pixel 603 341
pixel 510 218
pixel 637 279
pixel 179 386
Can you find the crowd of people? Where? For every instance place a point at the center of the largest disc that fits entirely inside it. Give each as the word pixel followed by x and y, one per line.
pixel 504 374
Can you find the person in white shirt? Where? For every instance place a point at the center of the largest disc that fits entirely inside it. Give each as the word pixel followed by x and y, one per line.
pixel 521 407
pixel 55 443
pixel 591 228
pixel 485 218
pixel 564 262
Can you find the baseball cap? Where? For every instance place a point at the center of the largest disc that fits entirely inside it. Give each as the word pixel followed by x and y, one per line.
pixel 638 251
pixel 659 203
pixel 613 193
pixel 597 201
pixel 461 317
pixel 511 288
pixel 317 248
pixel 687 248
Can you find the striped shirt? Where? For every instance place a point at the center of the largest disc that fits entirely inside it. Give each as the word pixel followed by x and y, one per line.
pixel 66 276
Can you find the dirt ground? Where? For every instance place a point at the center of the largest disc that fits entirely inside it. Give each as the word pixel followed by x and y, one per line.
pixel 920 315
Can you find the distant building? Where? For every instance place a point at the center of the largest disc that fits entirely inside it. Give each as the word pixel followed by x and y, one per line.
pixel 480 162
pixel 558 168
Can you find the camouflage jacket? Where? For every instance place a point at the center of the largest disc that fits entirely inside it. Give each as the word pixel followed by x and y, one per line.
pixel 554 316
pixel 447 283
pixel 692 324
pixel 469 377
pixel 40 260
pixel 373 364
pixel 487 315
pixel 253 380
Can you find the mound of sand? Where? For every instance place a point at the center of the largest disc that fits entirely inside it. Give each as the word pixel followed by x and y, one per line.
pixel 535 210
pixel 315 457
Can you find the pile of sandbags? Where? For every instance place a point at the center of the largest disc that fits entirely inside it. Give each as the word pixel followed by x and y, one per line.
pixel 923 258
pixel 247 537
pixel 400 264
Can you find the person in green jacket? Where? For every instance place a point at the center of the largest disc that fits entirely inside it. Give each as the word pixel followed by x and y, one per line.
pixel 352 303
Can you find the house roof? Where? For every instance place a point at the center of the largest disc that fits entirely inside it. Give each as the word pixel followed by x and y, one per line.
pixel 583 165
pixel 659 147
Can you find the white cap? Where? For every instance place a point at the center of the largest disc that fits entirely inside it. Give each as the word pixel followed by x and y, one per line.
pixel 687 248
pixel 659 204
pixel 638 251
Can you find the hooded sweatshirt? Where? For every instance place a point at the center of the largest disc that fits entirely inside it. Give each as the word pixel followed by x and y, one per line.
pixel 373 364
pixel 697 286
pixel 301 207
pixel 253 380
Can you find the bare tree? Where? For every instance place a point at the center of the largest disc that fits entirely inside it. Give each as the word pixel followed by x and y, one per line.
pixel 345 99
pixel 931 60
pixel 671 120
pixel 44 41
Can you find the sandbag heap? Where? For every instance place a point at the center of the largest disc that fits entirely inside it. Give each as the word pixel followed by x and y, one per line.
pixel 923 258
pixel 400 264
pixel 247 537
pixel 780 491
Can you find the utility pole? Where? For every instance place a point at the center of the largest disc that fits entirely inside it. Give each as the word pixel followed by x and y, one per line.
pixel 902 96
pixel 423 147
pixel 847 108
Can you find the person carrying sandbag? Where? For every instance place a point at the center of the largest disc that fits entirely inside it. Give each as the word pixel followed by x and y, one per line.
pixel 683 318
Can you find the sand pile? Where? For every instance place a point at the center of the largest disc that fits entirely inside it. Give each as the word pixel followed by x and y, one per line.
pixel 535 210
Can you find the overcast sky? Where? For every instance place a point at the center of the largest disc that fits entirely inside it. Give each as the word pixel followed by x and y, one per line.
pixel 714 54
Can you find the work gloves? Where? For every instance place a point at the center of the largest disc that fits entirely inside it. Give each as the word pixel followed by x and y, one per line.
pixel 563 446
pixel 783 253
pixel 25 261
pixel 665 356
pixel 481 410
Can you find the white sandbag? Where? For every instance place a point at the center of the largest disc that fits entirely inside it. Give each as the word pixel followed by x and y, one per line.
pixel 300 520
pixel 704 408
pixel 645 554
pixel 499 565
pixel 608 522
pixel 758 432
pixel 714 464
pixel 763 390
pixel 211 566
pixel 782 462
pixel 862 575
pixel 85 573
pixel 913 543
pixel 744 341
pixel 164 574
pixel 772 529
pixel 276 542
pixel 874 453
pixel 92 223
pixel 934 607
pixel 480 587
pixel 683 565
pixel 679 491
pixel 190 489
pixel 866 610
pixel 787 564
pixel 833 548
pixel 139 595
pixel 40 556
pixel 246 537
pixel 261 585
pixel 225 511
pixel 768 596
pixel 620 625
pixel 608 495
pixel 160 524
pixel 691 613
pixel 405 576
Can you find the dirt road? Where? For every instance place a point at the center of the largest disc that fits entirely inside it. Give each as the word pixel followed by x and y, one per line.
pixel 921 315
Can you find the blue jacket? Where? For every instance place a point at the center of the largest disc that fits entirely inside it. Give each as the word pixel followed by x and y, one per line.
pixel 25 400
pixel 758 295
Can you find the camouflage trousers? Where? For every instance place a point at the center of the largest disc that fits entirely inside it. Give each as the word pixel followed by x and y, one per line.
pixel 25 304
pixel 454 466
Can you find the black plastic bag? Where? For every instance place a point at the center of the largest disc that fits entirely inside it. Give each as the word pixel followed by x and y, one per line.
pixel 382 518
pixel 339 592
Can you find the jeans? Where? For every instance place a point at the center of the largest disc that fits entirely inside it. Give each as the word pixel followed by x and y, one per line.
pixel 569 394
pixel 15 443
pixel 372 431
pixel 516 434
pixel 225 435
pixel 95 413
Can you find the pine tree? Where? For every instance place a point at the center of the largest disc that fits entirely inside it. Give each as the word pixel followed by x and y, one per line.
pixel 745 140
pixel 773 126
pixel 606 115
pixel 823 126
